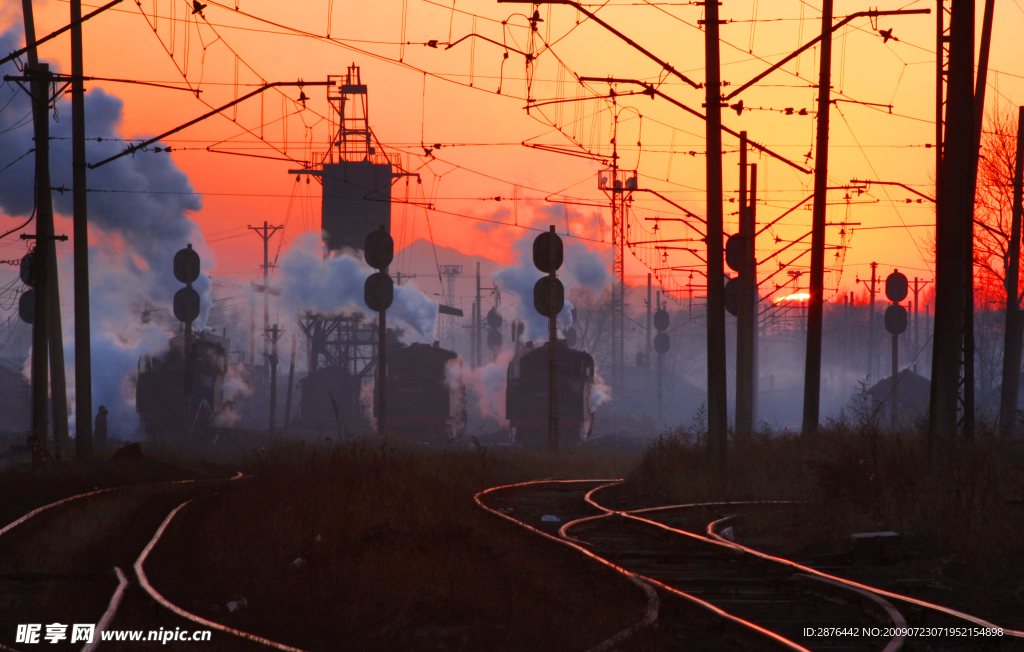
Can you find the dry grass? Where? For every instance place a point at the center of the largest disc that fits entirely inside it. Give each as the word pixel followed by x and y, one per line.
pixel 394 553
pixel 861 479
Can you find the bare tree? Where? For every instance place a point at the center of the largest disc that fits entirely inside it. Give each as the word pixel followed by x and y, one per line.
pixel 993 209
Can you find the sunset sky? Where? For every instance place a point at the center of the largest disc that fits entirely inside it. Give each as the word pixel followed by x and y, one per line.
pixel 422 96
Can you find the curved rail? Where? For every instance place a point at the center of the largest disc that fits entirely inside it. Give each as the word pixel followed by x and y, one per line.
pixel 39 510
pixel 108 615
pixel 713 535
pixel 758 631
pixel 885 609
pixel 164 602
pixel 979 622
pixel 653 603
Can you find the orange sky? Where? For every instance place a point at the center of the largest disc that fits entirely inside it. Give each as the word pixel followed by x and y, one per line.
pixel 456 103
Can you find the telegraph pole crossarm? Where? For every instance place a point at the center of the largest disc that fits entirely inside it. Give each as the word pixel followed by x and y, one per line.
pixel 860 14
pixel 71 25
pixel 134 148
pixel 652 91
pixel 893 183
pixel 592 16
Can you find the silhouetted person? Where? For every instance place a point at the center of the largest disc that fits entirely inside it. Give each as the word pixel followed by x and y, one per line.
pixel 99 433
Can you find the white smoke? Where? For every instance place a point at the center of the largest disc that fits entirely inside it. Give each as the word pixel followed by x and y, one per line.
pixel 582 267
pixel 335 283
pixel 139 205
pixel 600 392
pixel 485 386
pixel 235 388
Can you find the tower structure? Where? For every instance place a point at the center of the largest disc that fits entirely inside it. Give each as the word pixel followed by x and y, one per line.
pixel 618 185
pixel 450 273
pixel 355 172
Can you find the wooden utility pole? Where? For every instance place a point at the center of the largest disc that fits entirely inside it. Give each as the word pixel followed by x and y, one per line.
pixel 812 364
pixel 954 206
pixel 265 232
pixel 83 329
pixel 718 416
pixel 1014 331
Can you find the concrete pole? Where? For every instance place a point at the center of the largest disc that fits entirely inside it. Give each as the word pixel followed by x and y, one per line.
pixel 291 383
pixel 871 324
pixel 718 416
pixel 382 364
pixel 812 369
pixel 647 354
pixel 44 229
pixel 954 206
pixel 83 329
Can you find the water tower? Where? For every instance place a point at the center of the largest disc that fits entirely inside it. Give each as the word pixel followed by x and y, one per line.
pixel 355 172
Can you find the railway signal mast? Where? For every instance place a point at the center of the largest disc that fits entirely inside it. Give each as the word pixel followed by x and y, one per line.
pixel 186 310
pixel 379 293
pixel 896 287
pixel 549 299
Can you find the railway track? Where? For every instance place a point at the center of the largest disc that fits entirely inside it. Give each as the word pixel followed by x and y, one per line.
pixel 81 560
pixel 753 600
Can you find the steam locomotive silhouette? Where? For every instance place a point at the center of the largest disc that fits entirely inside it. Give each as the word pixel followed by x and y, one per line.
pixel 526 395
pixel 426 398
pixel 163 385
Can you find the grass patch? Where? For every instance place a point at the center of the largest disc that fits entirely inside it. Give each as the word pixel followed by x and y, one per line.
pixel 380 548
pixel 858 478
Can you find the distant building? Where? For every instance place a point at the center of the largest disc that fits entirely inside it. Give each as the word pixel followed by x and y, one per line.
pixel 15 398
pixel 913 395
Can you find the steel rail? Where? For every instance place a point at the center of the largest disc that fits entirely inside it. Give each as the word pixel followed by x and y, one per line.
pixel 713 535
pixel 39 510
pixel 140 573
pixel 108 615
pixel 751 628
pixel 653 603
pixel 887 594
pixel 874 601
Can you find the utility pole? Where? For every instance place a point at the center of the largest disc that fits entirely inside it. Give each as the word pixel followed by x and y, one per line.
pixel 917 343
pixel 40 347
pixel 477 323
pixel 954 206
pixel 717 407
pixel 746 307
pixel 273 334
pixel 252 333
pixel 660 370
pixel 83 329
pixel 812 368
pixel 1014 331
pixel 647 353
pixel 871 323
pixel 50 333
pixel 267 232
pixel 291 383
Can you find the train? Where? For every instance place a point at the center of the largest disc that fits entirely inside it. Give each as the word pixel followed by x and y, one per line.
pixel 426 399
pixel 163 385
pixel 526 395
